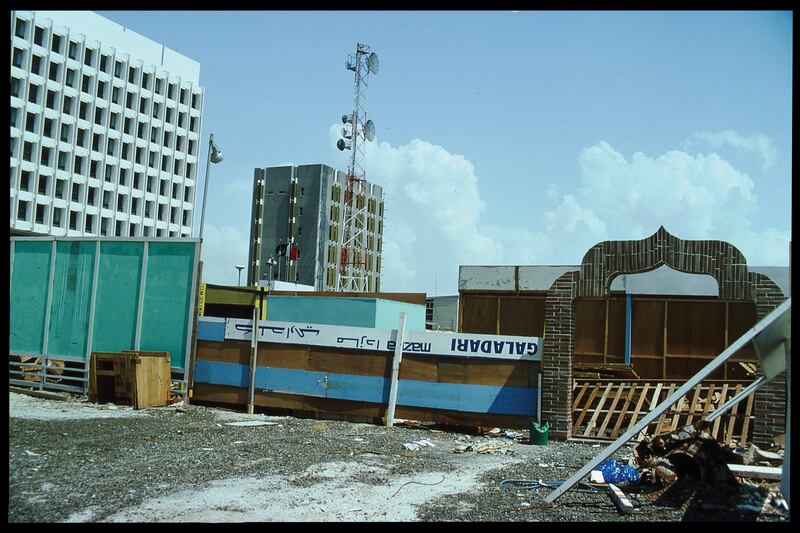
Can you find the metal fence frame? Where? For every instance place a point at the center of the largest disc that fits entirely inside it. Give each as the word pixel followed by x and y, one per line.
pixel 45 359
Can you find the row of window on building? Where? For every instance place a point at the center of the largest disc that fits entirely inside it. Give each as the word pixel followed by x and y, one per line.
pixel 94 59
pixel 85 222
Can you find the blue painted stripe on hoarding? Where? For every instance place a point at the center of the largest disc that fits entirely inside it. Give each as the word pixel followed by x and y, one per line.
pixel 375 389
pixel 210 331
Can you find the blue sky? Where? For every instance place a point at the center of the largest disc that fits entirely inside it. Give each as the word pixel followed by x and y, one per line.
pixel 505 137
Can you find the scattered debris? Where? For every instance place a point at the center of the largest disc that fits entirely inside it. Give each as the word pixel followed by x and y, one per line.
pixel 181 409
pixel 417 444
pixel 754 454
pixel 399 422
pixel 690 451
pixel 251 423
pixel 32 454
pixel 620 500
pixel 756 472
pixel 616 471
pixel 596 476
pixel 319 426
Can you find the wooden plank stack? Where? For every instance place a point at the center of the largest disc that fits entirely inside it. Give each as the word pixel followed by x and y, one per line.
pixel 140 379
pixel 602 410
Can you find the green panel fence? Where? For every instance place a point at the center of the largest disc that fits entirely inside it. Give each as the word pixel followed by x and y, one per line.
pixel 169 282
pixel 117 296
pixel 104 295
pixel 30 277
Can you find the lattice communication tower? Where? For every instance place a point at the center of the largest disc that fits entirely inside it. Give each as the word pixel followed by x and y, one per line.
pixel 353 275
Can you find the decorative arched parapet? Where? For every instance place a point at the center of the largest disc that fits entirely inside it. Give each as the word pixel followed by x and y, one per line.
pixel 608 259
pixel 719 259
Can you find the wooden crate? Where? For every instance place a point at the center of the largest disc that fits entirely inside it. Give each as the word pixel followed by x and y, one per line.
pixel 140 379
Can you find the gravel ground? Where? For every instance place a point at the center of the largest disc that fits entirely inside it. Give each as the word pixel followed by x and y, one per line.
pixel 73 461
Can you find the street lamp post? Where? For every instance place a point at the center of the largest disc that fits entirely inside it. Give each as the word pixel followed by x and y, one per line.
pixel 239 268
pixel 271 262
pixel 214 156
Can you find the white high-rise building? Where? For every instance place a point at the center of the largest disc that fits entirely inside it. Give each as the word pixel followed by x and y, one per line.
pixel 105 129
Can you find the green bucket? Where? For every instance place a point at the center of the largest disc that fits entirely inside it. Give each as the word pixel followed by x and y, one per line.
pixel 540 433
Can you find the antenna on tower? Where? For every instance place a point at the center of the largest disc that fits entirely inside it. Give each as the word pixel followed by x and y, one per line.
pixel 356 130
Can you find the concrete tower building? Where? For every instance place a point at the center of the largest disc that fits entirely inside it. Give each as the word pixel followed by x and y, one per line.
pixel 105 129
pixel 303 207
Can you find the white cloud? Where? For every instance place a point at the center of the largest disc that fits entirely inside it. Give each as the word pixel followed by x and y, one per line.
pixel 757 143
pixel 692 196
pixel 435 213
pixel 223 247
pixel 242 189
pixel 569 216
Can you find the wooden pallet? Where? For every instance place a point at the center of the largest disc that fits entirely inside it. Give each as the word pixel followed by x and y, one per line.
pixel 603 410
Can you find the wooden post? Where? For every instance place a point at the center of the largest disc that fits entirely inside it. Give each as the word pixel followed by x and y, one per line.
pixel 398 355
pixel 253 354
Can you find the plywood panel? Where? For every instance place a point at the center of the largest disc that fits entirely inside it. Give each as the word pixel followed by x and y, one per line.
pixel 237 352
pixel 478 314
pixel 695 328
pixel 588 358
pixel 522 316
pixel 419 368
pixel 741 317
pixel 325 408
pixel 684 368
pixel 282 356
pixel 616 326
pixel 350 362
pixel 590 316
pixel 647 368
pixel 647 327
pixel 507 373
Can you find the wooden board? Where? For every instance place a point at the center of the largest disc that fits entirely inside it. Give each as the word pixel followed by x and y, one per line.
pixel 622 402
pixel 330 409
pixel 522 316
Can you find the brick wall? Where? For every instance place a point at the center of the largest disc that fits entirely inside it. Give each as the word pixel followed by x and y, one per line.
pixel 769 403
pixel 559 340
pixel 608 259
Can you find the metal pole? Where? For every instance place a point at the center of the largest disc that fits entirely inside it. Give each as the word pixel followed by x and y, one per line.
pixel 398 356
pixel 92 302
pixel 628 323
pixel 142 283
pixel 205 185
pixel 43 375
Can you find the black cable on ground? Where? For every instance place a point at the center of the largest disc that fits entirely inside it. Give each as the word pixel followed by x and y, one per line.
pixel 530 484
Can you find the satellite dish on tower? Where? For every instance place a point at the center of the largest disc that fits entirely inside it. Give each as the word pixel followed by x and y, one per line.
pixel 369 131
pixel 346 119
pixel 372 63
pixel 341 145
